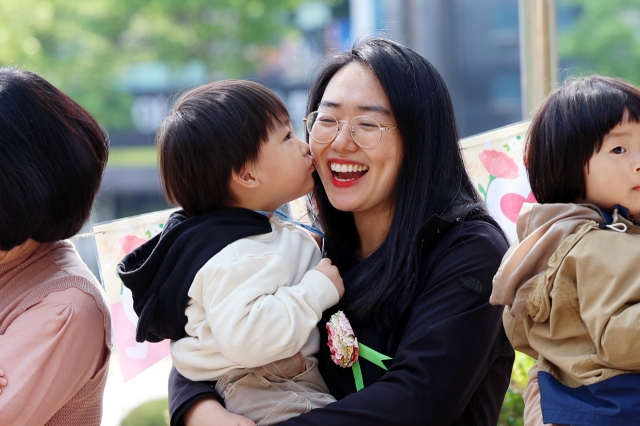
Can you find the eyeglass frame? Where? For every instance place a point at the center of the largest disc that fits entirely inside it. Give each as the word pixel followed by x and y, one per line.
pixel 351 130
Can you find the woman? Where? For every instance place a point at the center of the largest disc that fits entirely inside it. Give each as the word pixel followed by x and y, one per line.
pixel 415 246
pixel 55 328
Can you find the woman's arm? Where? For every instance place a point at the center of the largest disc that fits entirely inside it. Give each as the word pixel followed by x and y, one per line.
pixel 454 362
pixel 48 353
pixel 453 349
pixel 211 413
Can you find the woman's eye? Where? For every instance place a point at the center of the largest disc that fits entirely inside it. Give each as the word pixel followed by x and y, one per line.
pixel 618 150
pixel 289 136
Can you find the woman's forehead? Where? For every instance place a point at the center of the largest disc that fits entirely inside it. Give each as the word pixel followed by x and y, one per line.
pixel 356 86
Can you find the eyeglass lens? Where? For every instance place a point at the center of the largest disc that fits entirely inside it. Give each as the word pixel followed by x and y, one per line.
pixel 323 128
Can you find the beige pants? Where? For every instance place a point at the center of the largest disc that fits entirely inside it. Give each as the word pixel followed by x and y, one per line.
pixel 275 392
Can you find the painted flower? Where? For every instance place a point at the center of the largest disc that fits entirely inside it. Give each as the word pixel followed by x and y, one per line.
pixel 129 243
pixel 499 164
pixel 342 341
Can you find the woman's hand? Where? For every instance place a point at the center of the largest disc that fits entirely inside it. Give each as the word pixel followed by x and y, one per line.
pixel 3 381
pixel 209 412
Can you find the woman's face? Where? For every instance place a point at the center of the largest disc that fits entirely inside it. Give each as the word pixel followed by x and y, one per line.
pixel 358 180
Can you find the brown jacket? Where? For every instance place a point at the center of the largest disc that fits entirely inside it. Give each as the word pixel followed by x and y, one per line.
pixel 571 290
pixel 572 286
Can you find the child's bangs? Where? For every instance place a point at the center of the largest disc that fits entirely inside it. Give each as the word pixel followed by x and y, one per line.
pixel 605 103
pixel 277 114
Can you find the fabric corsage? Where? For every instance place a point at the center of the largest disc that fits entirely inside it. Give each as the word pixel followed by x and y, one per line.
pixel 346 350
pixel 342 341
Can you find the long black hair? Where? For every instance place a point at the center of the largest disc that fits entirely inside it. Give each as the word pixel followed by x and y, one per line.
pixel 432 178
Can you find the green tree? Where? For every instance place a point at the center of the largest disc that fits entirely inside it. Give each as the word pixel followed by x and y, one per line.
pixel 603 38
pixel 513 405
pixel 83 47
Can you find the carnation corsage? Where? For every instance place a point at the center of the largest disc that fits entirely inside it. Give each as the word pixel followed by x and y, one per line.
pixel 345 348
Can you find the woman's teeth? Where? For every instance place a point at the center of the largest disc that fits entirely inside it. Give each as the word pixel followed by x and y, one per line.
pixel 345 168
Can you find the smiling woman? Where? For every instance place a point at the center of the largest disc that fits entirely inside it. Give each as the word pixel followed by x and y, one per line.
pixel 352 91
pixel 415 247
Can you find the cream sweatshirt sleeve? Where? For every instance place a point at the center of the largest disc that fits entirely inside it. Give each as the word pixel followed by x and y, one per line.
pixel 256 316
pixel 48 353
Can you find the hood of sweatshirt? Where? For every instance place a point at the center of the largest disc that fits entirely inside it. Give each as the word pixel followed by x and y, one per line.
pixel 541 228
pixel 159 273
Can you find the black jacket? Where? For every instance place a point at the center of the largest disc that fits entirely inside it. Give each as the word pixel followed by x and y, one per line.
pixel 451 359
pixel 159 273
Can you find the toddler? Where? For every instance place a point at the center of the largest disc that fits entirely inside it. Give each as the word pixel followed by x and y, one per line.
pixel 571 283
pixel 236 289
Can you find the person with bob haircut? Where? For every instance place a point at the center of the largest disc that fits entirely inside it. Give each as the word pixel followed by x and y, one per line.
pixel 55 325
pixel 413 242
pixel 570 283
pixel 236 288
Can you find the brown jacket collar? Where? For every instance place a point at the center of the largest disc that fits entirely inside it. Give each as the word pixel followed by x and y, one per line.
pixel 541 228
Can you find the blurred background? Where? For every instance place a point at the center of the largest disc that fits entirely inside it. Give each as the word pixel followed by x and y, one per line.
pixel 126 61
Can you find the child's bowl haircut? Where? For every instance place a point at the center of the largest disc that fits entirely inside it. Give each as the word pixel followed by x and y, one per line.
pixel 569 128
pixel 211 131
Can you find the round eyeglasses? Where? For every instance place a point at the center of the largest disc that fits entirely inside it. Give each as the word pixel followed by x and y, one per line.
pixel 324 128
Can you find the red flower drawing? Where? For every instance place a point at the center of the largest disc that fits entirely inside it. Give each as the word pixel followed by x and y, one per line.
pixel 499 164
pixel 128 243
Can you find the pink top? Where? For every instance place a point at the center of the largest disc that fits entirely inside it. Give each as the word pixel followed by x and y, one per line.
pixel 55 339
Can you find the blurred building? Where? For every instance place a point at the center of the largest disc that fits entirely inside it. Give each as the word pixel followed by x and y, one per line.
pixel 473 44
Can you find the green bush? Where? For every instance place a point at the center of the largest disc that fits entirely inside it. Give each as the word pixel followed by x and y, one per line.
pixel 152 413
pixel 513 405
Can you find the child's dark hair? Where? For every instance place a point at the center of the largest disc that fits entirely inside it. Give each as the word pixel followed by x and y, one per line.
pixel 569 128
pixel 211 131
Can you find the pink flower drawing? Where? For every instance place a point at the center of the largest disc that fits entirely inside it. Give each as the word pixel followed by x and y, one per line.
pixel 499 165
pixel 128 243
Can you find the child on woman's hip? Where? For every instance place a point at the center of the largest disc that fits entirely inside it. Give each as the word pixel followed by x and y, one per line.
pixel 571 281
pixel 229 158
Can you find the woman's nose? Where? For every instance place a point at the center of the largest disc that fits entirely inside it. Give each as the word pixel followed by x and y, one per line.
pixel 344 141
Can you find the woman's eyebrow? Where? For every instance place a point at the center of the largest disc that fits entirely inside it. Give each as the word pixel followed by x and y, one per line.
pixel 329 104
pixel 366 108
pixel 375 108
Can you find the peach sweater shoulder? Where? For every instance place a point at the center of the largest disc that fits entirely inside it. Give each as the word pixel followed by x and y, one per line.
pixel 55 339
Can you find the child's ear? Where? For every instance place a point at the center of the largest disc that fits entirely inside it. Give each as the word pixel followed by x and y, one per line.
pixel 246 178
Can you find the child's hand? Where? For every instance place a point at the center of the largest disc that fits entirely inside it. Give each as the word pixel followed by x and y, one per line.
pixel 3 381
pixel 332 273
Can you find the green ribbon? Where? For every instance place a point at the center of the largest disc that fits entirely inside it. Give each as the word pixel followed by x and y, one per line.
pixel 371 355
